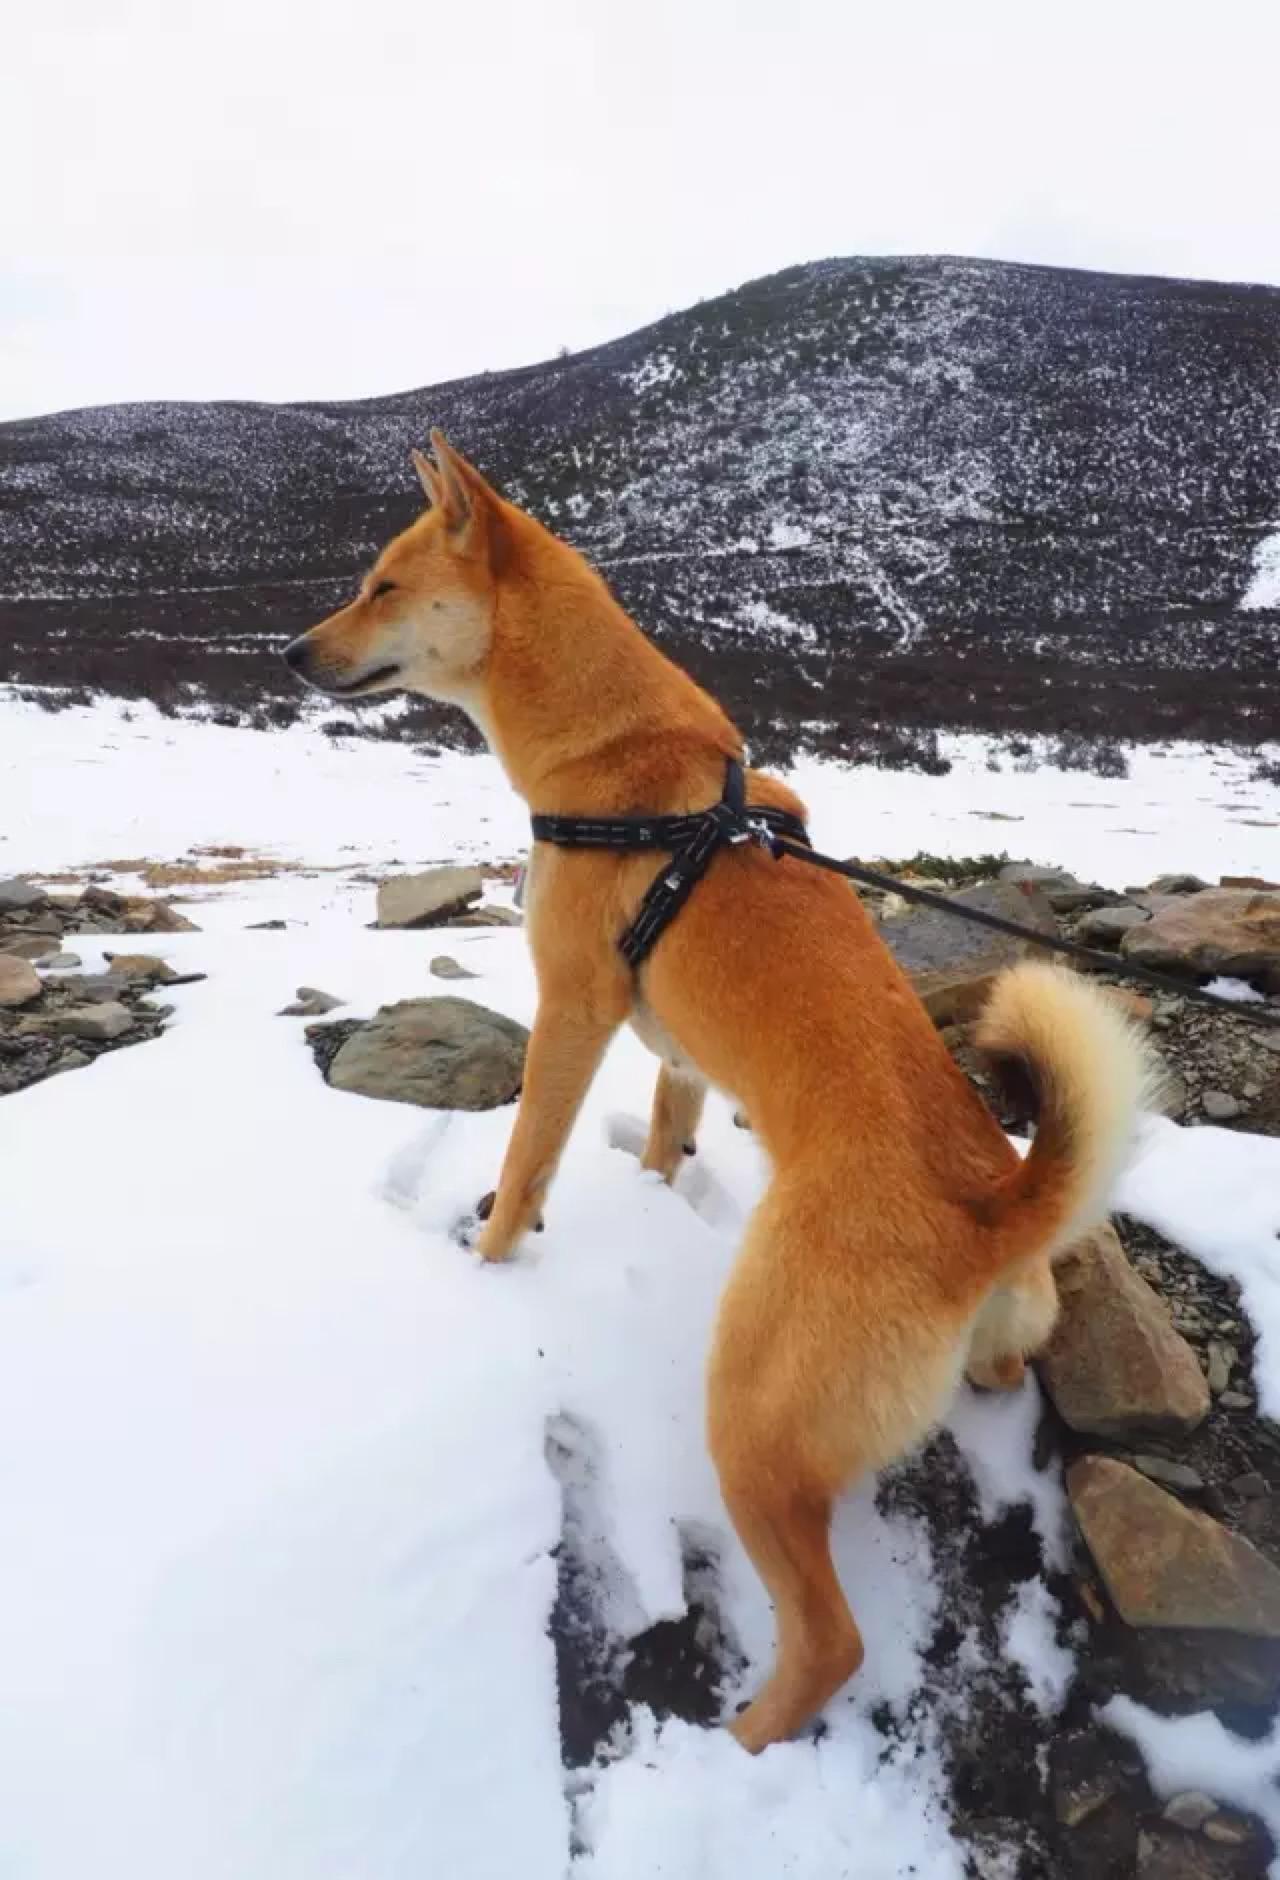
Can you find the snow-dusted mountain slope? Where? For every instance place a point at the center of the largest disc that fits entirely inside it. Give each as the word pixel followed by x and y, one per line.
pixel 938 491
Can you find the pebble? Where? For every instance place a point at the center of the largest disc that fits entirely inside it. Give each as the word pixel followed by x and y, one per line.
pixel 1222 1360
pixel 1220 1106
pixel 1228 1830
pixel 310 1002
pixel 1170 1474
pixel 444 967
pixel 103 1022
pixel 1251 1485
pixel 1190 1810
pixel 1235 1400
pixel 72 1061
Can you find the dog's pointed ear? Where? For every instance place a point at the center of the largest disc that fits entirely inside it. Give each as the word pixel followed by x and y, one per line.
pixel 464 489
pixel 428 476
pixel 472 508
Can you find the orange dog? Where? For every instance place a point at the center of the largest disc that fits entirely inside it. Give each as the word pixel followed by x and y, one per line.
pixel 901 1240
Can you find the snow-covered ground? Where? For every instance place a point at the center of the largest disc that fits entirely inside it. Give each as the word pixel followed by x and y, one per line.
pixel 279 1517
pixel 92 785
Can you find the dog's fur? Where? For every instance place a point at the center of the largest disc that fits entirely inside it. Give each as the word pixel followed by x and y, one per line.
pixel 901 1239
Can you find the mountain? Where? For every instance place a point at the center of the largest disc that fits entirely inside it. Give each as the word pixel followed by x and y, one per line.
pixel 925 492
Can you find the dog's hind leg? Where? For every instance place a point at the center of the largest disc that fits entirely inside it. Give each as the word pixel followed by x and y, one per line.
pixel 785 1527
pixel 830 1359
pixel 673 1127
pixel 1015 1320
pixel 782 1459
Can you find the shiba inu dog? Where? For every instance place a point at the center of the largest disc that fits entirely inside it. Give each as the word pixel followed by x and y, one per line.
pixel 902 1242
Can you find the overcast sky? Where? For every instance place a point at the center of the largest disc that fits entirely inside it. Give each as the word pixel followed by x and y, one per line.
pixel 244 198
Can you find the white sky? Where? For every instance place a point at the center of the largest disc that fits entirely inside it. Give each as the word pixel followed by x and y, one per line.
pixel 244 198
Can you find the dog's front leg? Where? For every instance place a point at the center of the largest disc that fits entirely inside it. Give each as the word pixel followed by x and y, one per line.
pixel 565 1049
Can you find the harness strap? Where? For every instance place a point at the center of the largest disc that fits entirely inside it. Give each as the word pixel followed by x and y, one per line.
pixel 691 841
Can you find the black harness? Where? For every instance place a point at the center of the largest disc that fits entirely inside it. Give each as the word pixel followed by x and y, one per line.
pixel 691 841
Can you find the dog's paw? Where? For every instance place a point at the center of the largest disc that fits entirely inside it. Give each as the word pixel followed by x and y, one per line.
pixel 466 1229
pixel 1005 1373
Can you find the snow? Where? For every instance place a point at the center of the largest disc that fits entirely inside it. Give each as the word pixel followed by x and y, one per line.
pixel 1237 990
pixel 280 1520
pixel 280 1515
pixel 1217 1193
pixel 1263 590
pixel 106 782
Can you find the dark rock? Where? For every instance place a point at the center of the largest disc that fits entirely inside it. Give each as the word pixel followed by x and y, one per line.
pixel 952 963
pixel 1222 1360
pixel 492 916
pixel 1231 931
pixel 93 988
pixel 310 1002
pixel 1176 884
pixel 1229 1830
pixel 442 1053
pixel 1167 1853
pixel 20 983
pixel 145 968
pixel 1107 926
pixel 71 1061
pixel 18 897
pixel 1031 874
pixel 101 1022
pixel 1251 1486
pixel 1085 1775
pixel 1114 1365
pixel 443 967
pixel 427 899
pixel 23 945
pixel 1167 1565
pixel 1190 1810
pixel 1079 899
pixel 1177 1475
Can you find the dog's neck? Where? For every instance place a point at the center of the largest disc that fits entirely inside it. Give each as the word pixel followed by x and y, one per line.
pixel 583 712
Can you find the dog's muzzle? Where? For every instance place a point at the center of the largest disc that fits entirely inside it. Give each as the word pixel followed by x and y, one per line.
pixel 302 659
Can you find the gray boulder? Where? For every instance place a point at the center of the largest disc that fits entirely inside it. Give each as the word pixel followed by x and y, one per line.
pixel 427 899
pixel 99 1022
pixel 16 897
pixel 952 963
pixel 1107 926
pixel 19 981
pixel 442 1053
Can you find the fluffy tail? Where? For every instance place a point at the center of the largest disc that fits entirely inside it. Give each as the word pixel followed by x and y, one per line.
pixel 1091 1074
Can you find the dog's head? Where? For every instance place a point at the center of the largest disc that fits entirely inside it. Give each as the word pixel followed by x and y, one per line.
pixel 423 619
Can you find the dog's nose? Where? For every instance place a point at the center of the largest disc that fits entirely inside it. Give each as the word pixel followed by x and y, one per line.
pixel 295 654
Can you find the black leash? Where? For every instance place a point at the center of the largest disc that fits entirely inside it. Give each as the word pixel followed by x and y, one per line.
pixel 693 841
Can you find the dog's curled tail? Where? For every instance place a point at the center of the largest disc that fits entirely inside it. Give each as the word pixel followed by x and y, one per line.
pixel 1091 1074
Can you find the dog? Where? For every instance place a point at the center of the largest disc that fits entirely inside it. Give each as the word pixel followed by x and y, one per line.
pixel 901 1242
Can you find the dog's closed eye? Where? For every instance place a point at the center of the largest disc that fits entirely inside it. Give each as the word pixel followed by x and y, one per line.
pixel 383 587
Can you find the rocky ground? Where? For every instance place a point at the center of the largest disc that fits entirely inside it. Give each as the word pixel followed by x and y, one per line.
pixel 55 1018
pixel 1172 1592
